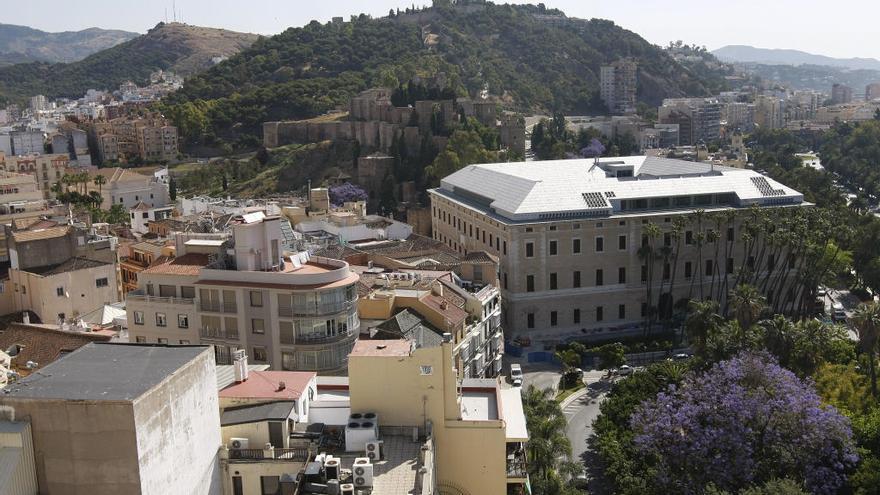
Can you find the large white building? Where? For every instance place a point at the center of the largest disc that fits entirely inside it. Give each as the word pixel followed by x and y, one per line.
pixel 568 233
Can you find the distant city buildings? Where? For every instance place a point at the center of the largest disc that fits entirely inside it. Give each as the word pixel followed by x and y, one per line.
pixel 698 119
pixel 841 93
pixel 872 91
pixel 617 86
pixel 126 139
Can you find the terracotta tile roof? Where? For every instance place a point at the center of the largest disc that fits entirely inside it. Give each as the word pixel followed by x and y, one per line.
pixel 265 385
pixel 386 348
pixel 188 264
pixel 453 314
pixel 141 206
pixel 40 234
pixel 42 344
pixel 479 257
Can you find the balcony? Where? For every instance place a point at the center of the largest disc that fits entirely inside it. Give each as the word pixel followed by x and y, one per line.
pixel 218 307
pixel 516 467
pixel 317 339
pixel 216 333
pixel 274 454
pixel 140 296
pixel 316 310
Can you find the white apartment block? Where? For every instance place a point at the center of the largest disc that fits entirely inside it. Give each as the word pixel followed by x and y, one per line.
pixel 286 311
pixel 568 233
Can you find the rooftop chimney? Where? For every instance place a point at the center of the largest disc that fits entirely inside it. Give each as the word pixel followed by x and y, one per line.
pixel 26 318
pixel 281 386
pixel 240 365
pixel 444 305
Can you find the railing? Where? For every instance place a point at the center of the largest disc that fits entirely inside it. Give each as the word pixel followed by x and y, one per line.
pixel 276 454
pixel 314 340
pixel 215 333
pixel 139 295
pixel 218 307
pixel 317 310
pixel 516 468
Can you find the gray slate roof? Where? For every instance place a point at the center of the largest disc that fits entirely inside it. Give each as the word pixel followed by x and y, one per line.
pixel 270 411
pixel 407 324
pixel 105 372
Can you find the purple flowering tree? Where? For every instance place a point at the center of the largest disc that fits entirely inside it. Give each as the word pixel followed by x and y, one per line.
pixel 346 192
pixel 745 421
pixel 593 150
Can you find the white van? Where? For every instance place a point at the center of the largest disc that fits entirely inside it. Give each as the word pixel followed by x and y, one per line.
pixel 837 312
pixel 516 375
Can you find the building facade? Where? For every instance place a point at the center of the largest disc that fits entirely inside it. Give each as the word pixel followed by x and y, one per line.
pixel 617 86
pixel 287 311
pixel 569 233
pixel 841 93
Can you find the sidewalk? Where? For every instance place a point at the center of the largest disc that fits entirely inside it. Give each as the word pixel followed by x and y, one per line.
pixel 589 378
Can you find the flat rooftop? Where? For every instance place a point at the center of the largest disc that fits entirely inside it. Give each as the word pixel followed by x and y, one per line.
pixel 105 372
pixel 387 348
pixel 479 405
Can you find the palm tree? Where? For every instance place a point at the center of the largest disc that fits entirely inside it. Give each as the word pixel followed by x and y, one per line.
pixel 646 253
pixel 747 304
pixel 702 319
pixel 549 448
pixel 866 319
pixel 99 181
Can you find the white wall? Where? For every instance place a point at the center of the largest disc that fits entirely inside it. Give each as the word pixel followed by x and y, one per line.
pixel 178 433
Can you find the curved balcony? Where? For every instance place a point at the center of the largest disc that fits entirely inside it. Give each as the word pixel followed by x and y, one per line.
pixel 317 309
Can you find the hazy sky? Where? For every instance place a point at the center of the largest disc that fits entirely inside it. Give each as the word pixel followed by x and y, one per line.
pixel 841 28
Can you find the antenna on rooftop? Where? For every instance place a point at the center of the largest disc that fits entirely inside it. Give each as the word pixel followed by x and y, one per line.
pixel 174 9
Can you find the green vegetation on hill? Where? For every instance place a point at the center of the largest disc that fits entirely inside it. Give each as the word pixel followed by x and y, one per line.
pixel 178 47
pixel 514 51
pixel 25 44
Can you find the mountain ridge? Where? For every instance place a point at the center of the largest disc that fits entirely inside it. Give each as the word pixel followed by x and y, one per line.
pixel 177 47
pixel 783 56
pixel 27 44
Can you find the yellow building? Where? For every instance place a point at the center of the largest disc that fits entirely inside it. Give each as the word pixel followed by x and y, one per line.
pixel 478 427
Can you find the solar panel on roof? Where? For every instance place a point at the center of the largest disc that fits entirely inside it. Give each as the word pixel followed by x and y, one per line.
pixel 595 200
pixel 764 187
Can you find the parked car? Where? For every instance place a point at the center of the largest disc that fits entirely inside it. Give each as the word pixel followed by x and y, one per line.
pixel 821 291
pixel 624 370
pixel 681 356
pixel 516 375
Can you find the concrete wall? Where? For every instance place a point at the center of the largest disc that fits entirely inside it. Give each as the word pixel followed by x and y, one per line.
pixel 80 293
pixel 82 448
pixel 178 432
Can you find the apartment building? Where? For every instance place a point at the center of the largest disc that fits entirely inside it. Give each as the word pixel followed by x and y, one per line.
pixel 47 169
pixel 28 142
pixel 568 233
pixel 841 93
pixel 699 119
pixel 422 306
pixel 769 112
pixel 872 91
pixel 617 86
pixel 285 309
pixel 120 418
pixel 123 139
pixel 139 256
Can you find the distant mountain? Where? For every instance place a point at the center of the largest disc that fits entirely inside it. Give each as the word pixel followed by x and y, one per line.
pixel 774 56
pixel 181 48
pixel 24 44
pixel 534 59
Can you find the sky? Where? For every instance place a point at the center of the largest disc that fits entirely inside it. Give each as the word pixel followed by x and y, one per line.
pixel 841 28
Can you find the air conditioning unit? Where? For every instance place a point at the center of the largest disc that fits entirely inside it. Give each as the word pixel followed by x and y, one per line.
pixel 362 472
pixel 346 489
pixel 374 450
pixel 238 443
pixel 331 468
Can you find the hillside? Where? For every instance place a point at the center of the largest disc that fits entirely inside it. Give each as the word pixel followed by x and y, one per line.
pixel 745 53
pixel 24 44
pixel 181 48
pixel 535 59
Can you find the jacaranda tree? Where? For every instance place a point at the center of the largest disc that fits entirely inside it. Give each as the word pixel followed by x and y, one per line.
pixel 347 192
pixel 743 422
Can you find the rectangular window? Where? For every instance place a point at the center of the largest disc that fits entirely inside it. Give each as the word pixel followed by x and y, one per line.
pixel 644 310
pixel 599 277
pixel 530 250
pixel 505 281
pixel 59 291
pixel 666 271
pixel 101 282
pixel 729 234
pixel 621 311
pixel 644 273
pixel 771 262
pixel 187 292
pixel 621 242
pixel 530 283
pixel 161 321
pixel 426 370
pixel 576 246
pixel 553 248
pixel 260 354
pixel 553 285
pixel 689 237
pixel 729 266
pixel 688 269
pixel 138 317
pixel 600 244
pixel 504 247
pixel 182 321
pixel 576 316
pixel 530 320
pixel 553 320
pixel 162 341
pixel 576 279
pixel 140 339
pixel 258 326
pixel 708 268
pixel 667 239
pixel 256 299
pixel 599 313
pixel 167 290
pixel 621 275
